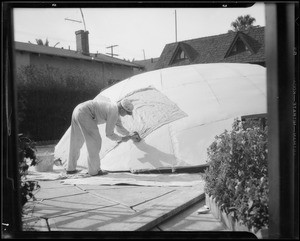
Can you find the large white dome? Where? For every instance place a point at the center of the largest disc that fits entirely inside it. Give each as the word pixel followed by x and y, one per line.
pixel 211 95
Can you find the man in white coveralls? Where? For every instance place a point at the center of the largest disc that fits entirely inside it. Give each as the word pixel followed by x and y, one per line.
pixel 85 118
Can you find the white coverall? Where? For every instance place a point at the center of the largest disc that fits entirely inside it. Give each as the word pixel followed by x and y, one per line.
pixel 85 118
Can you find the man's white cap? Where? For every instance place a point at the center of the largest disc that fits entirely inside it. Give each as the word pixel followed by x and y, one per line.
pixel 127 105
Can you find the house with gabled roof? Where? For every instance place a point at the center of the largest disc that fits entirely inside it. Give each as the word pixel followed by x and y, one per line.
pixel 232 47
pixel 103 70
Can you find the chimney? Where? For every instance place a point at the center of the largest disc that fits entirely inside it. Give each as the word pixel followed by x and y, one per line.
pixel 82 42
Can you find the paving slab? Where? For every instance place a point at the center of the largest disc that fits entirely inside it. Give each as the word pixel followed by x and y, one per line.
pixel 89 220
pixel 69 204
pixel 131 197
pixel 36 223
pixel 57 191
pixel 177 193
pixel 149 217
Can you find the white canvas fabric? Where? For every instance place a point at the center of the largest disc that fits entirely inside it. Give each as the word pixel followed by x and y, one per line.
pixel 210 97
pixel 152 109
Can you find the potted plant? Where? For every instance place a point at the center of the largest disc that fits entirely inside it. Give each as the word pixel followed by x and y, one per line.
pixel 236 182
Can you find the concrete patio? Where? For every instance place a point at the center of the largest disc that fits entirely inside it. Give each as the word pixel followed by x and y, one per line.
pixel 119 202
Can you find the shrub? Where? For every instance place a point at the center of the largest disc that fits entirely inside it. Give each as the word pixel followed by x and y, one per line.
pixel 47 97
pixel 238 173
pixel 27 157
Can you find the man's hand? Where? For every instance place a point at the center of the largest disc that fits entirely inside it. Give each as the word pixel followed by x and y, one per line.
pixel 136 137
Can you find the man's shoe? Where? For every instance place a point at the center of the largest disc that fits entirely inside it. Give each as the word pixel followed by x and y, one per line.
pixel 73 172
pixel 100 173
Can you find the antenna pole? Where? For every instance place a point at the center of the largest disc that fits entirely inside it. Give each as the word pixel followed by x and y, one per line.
pixel 175 27
pixel 112 52
pixel 83 19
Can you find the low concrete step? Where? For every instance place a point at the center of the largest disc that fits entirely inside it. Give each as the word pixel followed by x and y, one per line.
pixel 190 220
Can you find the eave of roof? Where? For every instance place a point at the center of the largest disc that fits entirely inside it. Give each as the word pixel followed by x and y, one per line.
pixel 39 49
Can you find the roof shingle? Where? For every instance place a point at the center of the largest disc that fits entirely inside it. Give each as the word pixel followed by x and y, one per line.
pixel 213 49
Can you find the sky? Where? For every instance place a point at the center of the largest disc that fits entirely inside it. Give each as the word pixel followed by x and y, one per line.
pixel 139 33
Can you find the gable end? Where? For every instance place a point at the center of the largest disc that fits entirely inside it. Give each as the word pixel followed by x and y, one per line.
pixel 239 45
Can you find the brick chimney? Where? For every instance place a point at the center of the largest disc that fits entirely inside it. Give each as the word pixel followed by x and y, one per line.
pixel 82 42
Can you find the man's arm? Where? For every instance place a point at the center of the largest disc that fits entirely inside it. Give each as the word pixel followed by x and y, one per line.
pixel 111 123
pixel 121 129
pixel 110 127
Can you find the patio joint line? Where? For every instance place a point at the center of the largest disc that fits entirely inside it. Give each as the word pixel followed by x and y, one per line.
pixel 111 200
pixel 42 199
pixel 153 198
pixel 79 211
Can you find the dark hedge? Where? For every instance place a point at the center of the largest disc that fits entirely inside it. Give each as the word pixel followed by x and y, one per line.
pixel 47 113
pixel 45 103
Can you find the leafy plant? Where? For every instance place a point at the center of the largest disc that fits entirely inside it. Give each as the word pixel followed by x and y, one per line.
pixel 27 157
pixel 238 173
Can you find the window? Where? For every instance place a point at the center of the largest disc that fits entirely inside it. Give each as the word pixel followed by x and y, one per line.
pixel 239 47
pixel 180 55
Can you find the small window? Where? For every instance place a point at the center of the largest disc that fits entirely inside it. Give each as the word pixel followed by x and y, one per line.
pixel 239 47
pixel 180 55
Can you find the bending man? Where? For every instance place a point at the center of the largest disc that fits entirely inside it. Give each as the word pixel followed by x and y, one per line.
pixel 85 118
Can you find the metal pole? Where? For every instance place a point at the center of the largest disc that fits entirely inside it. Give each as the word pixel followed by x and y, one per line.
pixel 175 27
pixel 83 19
